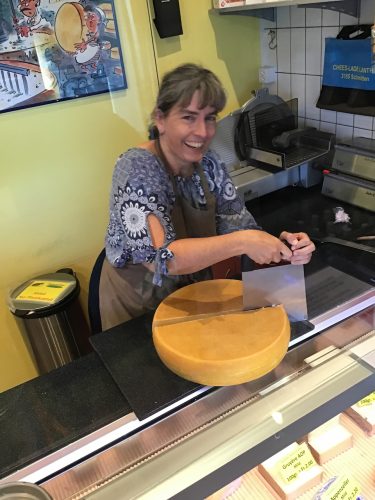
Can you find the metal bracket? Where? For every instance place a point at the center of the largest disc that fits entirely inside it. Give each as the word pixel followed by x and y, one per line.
pixel 350 7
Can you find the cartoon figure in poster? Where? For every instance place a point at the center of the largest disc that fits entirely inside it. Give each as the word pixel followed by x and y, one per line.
pixel 84 40
pixel 88 50
pixel 34 19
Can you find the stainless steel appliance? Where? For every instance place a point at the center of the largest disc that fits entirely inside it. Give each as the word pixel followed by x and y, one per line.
pixel 352 176
pixel 264 149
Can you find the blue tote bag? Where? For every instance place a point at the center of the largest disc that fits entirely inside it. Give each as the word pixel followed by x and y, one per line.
pixel 348 77
pixel 347 63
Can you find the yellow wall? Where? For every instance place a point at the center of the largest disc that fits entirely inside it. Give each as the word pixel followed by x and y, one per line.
pixel 226 44
pixel 56 161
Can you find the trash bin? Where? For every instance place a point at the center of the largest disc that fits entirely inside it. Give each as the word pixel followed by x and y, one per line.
pixel 22 490
pixel 50 318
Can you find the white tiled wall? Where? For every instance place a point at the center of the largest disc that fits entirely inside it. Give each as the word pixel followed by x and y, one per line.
pixel 298 58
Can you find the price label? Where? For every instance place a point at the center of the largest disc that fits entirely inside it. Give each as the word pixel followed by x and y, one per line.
pixel 300 460
pixel 367 401
pixel 43 291
pixel 344 488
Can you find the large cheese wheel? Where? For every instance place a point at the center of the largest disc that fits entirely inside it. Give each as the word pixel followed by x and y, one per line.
pixel 201 333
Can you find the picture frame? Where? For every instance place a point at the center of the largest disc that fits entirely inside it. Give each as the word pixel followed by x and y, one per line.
pixel 57 50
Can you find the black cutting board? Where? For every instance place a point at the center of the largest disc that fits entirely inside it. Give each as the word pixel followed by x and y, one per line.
pixel 129 355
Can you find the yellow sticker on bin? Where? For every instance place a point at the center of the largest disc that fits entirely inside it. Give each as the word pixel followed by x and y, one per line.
pixel 43 291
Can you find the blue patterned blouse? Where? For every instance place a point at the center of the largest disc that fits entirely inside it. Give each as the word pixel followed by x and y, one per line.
pixel 141 186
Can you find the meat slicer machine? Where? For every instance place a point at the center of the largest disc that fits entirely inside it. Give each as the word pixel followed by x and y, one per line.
pixel 264 150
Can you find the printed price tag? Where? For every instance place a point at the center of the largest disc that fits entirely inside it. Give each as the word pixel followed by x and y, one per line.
pixel 344 488
pixel 367 401
pixel 43 291
pixel 300 460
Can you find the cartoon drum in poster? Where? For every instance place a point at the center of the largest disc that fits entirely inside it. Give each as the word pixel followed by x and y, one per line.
pixel 57 50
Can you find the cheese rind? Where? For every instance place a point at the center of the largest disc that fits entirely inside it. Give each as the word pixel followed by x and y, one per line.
pixel 220 349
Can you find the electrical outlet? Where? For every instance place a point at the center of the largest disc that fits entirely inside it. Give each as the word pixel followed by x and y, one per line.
pixel 267 74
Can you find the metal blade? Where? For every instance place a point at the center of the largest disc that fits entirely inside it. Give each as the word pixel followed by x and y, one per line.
pixel 269 286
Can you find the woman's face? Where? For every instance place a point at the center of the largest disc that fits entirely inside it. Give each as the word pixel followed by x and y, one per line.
pixel 185 134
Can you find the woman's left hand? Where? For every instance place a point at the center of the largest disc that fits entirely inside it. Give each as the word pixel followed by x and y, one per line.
pixel 301 246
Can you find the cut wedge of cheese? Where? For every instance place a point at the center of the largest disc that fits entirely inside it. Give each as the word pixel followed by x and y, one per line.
pixel 115 53
pixel 363 416
pixel 110 25
pixel 201 333
pixel 271 469
pixel 329 440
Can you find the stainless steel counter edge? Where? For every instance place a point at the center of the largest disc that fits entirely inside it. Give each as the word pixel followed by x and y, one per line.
pixel 93 442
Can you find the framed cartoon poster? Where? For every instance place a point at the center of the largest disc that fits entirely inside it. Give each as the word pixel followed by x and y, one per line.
pixel 53 50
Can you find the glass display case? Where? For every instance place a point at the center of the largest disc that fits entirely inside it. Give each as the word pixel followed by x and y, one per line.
pixel 220 434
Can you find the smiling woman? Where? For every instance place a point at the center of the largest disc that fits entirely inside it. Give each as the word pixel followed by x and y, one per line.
pixel 184 134
pixel 174 210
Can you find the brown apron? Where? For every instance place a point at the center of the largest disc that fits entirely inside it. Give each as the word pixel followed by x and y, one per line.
pixel 128 292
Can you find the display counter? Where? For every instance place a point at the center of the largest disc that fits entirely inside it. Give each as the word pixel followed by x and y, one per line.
pixel 193 446
pixel 75 431
pixel 201 447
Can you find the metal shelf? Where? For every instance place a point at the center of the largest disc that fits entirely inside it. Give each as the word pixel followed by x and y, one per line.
pixel 350 7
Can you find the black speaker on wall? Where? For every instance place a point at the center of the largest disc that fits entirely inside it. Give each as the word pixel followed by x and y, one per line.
pixel 167 18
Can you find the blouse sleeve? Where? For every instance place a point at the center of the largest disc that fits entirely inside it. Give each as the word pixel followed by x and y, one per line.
pixel 140 187
pixel 231 212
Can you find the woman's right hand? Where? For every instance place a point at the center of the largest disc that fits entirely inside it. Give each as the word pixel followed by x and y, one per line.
pixel 263 248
